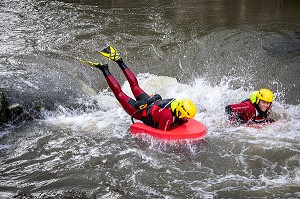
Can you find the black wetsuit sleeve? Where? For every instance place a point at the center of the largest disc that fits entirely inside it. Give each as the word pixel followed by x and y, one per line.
pixel 233 116
pixel 228 112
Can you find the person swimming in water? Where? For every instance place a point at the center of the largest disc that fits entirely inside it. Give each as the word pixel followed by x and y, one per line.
pixel 256 109
pixel 163 114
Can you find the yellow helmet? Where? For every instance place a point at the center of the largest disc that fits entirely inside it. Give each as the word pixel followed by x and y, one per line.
pixel 184 108
pixel 265 95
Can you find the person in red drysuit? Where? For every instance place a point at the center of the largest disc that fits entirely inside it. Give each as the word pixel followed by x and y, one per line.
pixel 252 110
pixel 154 111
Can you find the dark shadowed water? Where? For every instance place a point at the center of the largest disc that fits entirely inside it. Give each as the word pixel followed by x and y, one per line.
pixel 214 52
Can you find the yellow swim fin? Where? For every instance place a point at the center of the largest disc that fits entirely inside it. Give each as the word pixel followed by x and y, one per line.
pixel 90 63
pixel 110 53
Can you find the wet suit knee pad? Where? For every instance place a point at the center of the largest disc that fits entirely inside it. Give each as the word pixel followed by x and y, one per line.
pixel 153 99
pixel 140 104
pixel 146 101
pixel 142 97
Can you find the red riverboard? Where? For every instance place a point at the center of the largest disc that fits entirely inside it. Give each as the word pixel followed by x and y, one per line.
pixel 190 130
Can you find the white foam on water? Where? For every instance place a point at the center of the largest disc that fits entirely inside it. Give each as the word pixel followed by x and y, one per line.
pixel 210 101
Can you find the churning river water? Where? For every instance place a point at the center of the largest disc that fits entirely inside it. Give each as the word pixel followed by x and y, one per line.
pixel 213 52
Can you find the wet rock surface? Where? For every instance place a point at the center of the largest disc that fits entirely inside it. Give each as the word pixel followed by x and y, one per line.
pixel 3 109
pixel 12 113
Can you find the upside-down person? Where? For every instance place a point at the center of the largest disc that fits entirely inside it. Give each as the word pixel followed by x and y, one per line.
pixel 256 109
pixel 153 111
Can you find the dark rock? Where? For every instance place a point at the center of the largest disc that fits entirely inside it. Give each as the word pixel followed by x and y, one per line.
pixel 17 114
pixel 4 114
pixel 13 113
